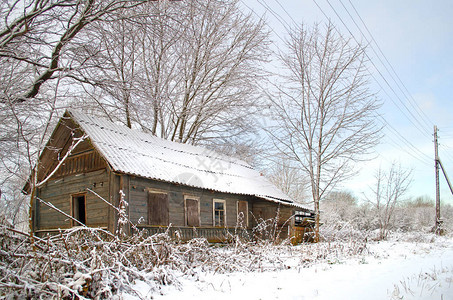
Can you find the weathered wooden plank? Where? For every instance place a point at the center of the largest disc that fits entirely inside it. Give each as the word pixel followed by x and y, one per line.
pixel 242 213
pixel 257 208
pixel 58 192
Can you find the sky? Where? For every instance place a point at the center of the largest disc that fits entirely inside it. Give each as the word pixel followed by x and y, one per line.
pixel 416 38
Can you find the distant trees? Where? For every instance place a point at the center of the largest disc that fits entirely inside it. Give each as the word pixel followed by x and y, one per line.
pixel 324 109
pixel 414 214
pixel 341 203
pixel 344 216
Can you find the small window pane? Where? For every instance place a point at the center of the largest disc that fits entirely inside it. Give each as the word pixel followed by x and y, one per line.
pixel 219 213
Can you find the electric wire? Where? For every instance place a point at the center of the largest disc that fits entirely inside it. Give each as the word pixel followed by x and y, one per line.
pixel 447 152
pixel 272 29
pixel 382 76
pixel 410 149
pixel 387 68
pixel 414 151
pixel 281 20
pixel 420 112
pixel 395 131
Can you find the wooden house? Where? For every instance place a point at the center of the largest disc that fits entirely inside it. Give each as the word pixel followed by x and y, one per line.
pixel 191 190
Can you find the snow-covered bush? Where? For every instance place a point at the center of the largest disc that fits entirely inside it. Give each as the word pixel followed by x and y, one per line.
pixel 91 263
pixel 344 218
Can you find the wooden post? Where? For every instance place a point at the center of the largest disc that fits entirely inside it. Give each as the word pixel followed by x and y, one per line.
pixel 436 166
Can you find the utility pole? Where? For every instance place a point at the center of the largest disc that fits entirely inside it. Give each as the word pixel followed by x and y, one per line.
pixel 437 228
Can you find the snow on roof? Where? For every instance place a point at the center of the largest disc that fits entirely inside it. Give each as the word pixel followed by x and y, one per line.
pixel 138 153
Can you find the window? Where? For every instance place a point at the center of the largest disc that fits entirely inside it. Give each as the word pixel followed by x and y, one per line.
pixel 192 208
pixel 243 216
pixel 158 213
pixel 78 209
pixel 219 213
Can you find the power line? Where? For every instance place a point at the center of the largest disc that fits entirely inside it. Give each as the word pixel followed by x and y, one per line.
pixel 256 14
pixel 419 111
pixel 276 15
pixel 447 152
pixel 414 151
pixel 380 73
pixel 414 105
pixel 284 9
pixel 401 137
pixel 419 155
pixel 408 147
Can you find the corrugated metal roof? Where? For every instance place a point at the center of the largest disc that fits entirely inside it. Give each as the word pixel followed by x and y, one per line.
pixel 137 153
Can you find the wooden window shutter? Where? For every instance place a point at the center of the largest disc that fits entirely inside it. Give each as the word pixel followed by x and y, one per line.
pixel 158 209
pixel 192 213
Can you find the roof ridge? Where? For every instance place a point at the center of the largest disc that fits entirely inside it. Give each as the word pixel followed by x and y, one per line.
pixel 218 155
pixel 168 161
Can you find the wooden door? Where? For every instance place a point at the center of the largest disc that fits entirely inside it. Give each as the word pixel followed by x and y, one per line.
pixel 158 209
pixel 192 212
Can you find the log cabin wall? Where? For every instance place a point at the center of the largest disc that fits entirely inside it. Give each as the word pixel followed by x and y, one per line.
pixel 267 211
pixel 67 189
pixel 60 192
pixel 139 189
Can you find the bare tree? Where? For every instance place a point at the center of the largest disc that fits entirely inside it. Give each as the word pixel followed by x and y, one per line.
pixel 388 191
pixel 186 72
pixel 35 36
pixel 287 176
pixel 324 109
pixel 23 128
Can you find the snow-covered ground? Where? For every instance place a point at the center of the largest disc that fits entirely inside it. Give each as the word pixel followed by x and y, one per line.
pixel 386 270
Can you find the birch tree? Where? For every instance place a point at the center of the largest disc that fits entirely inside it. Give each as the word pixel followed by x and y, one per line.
pixel 324 109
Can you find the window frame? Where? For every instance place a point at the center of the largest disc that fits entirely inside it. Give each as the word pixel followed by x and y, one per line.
pixel 214 201
pixel 185 209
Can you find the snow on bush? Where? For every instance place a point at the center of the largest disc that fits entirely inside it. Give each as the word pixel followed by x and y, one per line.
pixel 91 263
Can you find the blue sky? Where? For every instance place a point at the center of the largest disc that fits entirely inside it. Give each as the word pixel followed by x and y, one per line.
pixel 416 37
